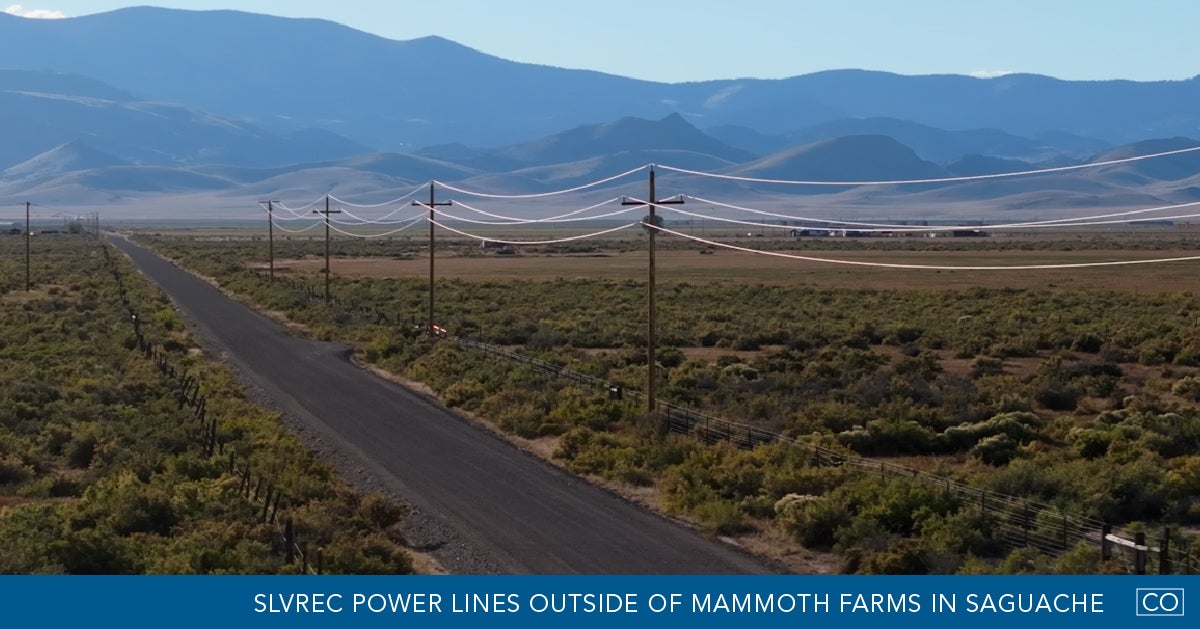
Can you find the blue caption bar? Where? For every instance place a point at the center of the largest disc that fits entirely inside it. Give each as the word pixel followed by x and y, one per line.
pixel 609 601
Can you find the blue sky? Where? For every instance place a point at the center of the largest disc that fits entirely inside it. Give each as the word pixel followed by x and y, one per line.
pixel 682 40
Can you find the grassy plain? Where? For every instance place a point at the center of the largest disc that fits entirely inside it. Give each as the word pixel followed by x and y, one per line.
pixel 738 266
pixel 1076 388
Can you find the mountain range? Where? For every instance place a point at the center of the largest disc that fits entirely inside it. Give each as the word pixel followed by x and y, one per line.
pixel 222 105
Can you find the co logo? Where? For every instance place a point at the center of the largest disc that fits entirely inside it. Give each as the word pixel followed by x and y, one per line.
pixel 1159 602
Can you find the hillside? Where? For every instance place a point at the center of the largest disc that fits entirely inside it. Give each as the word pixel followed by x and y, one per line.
pixel 42 110
pixel 398 95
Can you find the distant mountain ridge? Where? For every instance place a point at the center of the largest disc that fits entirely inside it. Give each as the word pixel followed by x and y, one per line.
pixel 42 110
pixel 399 95
pixel 145 103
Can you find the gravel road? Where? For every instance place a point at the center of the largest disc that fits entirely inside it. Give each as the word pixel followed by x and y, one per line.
pixel 481 504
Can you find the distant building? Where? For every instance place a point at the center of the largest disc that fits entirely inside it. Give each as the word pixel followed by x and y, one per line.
pixel 960 233
pixel 814 232
pixel 498 247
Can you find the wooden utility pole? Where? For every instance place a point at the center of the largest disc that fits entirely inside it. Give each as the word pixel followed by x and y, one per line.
pixel 28 283
pixel 432 205
pixel 271 236
pixel 327 212
pixel 652 223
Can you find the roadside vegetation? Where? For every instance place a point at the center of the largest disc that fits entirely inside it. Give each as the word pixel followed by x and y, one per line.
pixel 1083 399
pixel 103 468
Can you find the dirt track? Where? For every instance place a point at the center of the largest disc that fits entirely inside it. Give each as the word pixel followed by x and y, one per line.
pixel 486 506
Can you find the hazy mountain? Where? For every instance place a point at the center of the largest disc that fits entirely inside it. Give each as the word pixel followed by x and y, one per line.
pixel 41 110
pixel 974 165
pixel 70 157
pixel 579 172
pixel 114 184
pixel 485 160
pixel 1170 168
pixel 851 158
pixel 288 74
pixel 626 134
pixel 748 139
pixel 144 103
pixel 406 167
pixel 936 145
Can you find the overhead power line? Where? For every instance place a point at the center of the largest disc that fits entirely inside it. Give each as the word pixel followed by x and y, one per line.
pixel 395 201
pixel 1057 222
pixel 561 218
pixel 383 220
pixel 518 243
pixel 925 267
pixel 385 234
pixel 540 195
pixel 895 182
pixel 311 227
pixel 939 228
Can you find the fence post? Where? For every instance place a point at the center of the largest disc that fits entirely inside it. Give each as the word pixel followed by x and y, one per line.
pixel 1025 524
pixel 1164 552
pixel 303 557
pixel 320 561
pixel 1139 562
pixel 1105 545
pixel 289 541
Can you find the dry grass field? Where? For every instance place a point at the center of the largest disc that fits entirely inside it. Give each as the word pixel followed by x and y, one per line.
pixel 737 266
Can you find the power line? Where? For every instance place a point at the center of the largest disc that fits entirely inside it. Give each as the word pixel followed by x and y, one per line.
pixel 652 224
pixel 941 228
pixel 327 212
pixel 385 203
pixel 432 206
pixel 1058 222
pixel 311 227
pixel 542 194
pixel 539 221
pixel 893 182
pixel 518 243
pixel 298 210
pixel 392 232
pixel 382 220
pixel 270 235
pixel 926 267
pixel 28 283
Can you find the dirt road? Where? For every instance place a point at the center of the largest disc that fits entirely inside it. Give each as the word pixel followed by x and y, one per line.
pixel 519 513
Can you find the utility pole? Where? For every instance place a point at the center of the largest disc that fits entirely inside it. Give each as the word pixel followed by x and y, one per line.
pixel 432 205
pixel 28 283
pixel 327 212
pixel 652 223
pixel 271 235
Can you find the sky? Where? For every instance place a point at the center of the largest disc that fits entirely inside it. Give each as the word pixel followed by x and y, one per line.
pixel 690 40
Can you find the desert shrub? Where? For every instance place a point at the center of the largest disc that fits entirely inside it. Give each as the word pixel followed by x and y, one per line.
pixel 811 520
pixel 996 450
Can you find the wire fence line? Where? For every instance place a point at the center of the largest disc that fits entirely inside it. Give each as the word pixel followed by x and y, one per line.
pixel 1014 521
pixel 255 486
pixel 1017 522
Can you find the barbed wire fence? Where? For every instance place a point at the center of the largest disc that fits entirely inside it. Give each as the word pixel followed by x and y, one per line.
pixel 1014 521
pixel 255 486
